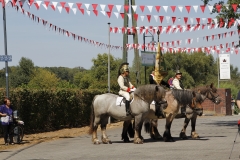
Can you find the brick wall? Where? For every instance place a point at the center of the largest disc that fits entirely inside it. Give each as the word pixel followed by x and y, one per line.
pixel 224 108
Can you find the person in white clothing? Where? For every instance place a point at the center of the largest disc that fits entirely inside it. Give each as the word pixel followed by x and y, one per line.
pixel 177 83
pixel 125 85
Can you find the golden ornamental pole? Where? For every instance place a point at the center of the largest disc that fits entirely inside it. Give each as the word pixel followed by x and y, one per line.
pixel 158 77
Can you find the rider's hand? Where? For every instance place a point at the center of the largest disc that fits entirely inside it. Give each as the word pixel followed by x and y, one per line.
pixel 4 115
pixel 132 90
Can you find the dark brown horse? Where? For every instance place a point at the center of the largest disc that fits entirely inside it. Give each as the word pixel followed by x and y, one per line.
pixel 202 93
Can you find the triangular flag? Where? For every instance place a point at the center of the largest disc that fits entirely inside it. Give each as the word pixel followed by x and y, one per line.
pixel 167 18
pixel 70 5
pixel 109 14
pixel 94 6
pixel 165 8
pixel 52 6
pixel 103 12
pixel 142 8
pixel 59 9
pixel 173 8
pixel 202 8
pixel 210 8
pixel 88 12
pixel 37 6
pixel 142 18
pixel 188 8
pixel 191 19
pixel 44 5
pixel 134 7
pixel 87 6
pixel 161 18
pixel 180 8
pixel 118 7
pixel 136 16
pixel 67 9
pixel 102 6
pixel 62 4
pixel 29 1
pixel 173 19
pixel 129 16
pixel 110 7
pixel 218 8
pixel 150 8
pixel 74 10
pixel 198 20
pixel 234 6
pixel 195 8
pixel 122 15
pixel 95 12
pixel 116 14
pixel 156 17
pixel 79 5
pixel 157 8
pixel 185 20
pixel 81 10
pixel 149 18
pixel 126 7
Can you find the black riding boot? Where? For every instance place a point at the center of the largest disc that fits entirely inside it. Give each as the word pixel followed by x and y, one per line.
pixel 127 108
pixel 183 110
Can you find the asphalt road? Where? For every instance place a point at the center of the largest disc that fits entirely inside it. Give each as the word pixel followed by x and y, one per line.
pixel 217 136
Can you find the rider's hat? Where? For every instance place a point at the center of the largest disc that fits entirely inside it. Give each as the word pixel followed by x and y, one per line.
pixel 178 72
pixel 124 68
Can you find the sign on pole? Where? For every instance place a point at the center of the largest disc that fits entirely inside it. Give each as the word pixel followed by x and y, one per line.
pixel 224 66
pixel 4 58
pixel 148 58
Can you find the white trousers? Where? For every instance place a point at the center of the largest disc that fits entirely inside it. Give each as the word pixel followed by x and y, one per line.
pixel 124 94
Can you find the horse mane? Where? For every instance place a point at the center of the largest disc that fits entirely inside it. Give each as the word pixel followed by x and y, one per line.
pixel 148 91
pixel 183 97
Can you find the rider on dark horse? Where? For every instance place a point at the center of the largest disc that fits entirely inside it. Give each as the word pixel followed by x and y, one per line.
pixel 125 85
pixel 177 84
pixel 158 111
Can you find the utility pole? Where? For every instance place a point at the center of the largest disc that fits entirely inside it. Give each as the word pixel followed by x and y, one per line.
pixel 109 57
pixel 135 39
pixel 5 46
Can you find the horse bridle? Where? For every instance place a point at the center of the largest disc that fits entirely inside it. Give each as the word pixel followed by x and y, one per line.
pixel 212 95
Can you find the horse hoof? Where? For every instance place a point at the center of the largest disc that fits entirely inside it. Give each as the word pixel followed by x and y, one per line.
pixel 96 142
pixel 126 140
pixel 183 135
pixel 138 141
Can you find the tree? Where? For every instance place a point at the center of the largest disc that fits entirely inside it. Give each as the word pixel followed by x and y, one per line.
pixel 23 73
pixel 43 79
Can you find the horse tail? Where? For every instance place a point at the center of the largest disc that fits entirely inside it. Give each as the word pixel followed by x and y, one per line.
pixel 147 126
pixel 92 118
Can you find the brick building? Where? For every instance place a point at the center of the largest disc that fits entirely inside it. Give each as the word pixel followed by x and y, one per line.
pixel 224 108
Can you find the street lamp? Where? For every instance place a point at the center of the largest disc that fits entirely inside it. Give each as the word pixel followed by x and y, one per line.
pixel 152 42
pixel 109 57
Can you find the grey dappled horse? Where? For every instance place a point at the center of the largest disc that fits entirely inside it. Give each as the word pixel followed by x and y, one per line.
pixel 202 93
pixel 104 106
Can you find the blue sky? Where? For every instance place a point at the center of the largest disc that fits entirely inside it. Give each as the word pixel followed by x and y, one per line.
pixel 26 38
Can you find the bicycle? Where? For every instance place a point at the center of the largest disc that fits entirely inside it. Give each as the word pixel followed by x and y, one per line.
pixel 17 131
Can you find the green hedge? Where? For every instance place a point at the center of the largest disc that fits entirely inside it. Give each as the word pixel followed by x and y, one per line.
pixel 48 110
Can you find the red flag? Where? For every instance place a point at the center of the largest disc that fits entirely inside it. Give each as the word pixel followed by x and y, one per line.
pixel 95 12
pixel 52 7
pixel 173 8
pixel 109 14
pixel 126 7
pixel 168 29
pixel 157 8
pixel 207 38
pixel 198 20
pixel 30 2
pixel 218 7
pixel 173 19
pixel 160 28
pixel 79 5
pixel 46 3
pixel 115 29
pixel 122 15
pixel 188 8
pixel 110 7
pixel 212 37
pixel 209 20
pixel 203 8
pixel 185 20
pixel 234 6
pixel 135 16
pixel 149 18
pixel 161 18
pixel 82 10
pixel 142 8
pixel 67 9
pixel 63 4
pixel 219 35
pixel 236 51
pixel 94 6
pixel 14 2
pixel 123 30
pixel 37 6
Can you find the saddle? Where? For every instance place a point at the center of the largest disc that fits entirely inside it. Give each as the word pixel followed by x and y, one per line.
pixel 122 100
